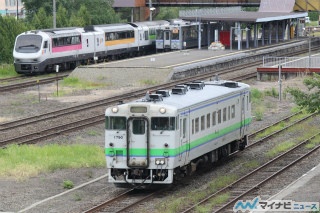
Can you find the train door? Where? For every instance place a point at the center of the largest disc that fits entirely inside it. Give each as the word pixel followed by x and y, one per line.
pixel 167 39
pixel 138 142
pixel 184 146
pixel 242 114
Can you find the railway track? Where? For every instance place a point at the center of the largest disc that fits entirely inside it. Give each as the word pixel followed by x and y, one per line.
pixel 125 201
pixel 31 81
pixel 249 183
pixel 10 128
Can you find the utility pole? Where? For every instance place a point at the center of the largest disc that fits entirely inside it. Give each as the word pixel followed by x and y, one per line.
pixel 54 14
pixel 17 9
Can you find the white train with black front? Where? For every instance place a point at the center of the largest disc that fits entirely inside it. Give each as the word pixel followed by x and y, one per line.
pixel 167 134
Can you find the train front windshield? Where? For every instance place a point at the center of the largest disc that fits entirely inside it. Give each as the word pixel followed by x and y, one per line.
pixel 157 123
pixel 116 123
pixel 28 43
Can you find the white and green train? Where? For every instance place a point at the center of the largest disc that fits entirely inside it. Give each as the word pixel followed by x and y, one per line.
pixel 167 134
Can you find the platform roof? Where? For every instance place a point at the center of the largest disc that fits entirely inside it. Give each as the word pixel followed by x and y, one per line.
pixel 242 16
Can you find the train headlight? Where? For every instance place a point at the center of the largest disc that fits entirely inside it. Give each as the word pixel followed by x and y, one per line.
pixel 115 109
pixel 160 161
pixel 162 110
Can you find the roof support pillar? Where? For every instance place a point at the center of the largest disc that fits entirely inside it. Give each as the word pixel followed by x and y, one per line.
pixel 239 35
pixel 255 35
pixel 270 33
pixel 277 31
pixel 262 35
pixel 283 29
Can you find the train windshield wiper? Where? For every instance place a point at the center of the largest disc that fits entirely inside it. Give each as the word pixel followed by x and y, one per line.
pixel 27 46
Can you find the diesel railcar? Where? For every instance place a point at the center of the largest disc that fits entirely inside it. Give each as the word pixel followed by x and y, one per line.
pixel 167 134
pixel 38 51
pixel 180 35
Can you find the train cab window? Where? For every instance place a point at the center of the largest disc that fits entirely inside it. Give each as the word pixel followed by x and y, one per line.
pixel 233 111
pixel 146 35
pixel 138 127
pixel 45 44
pixel 208 120
pixel 115 123
pixel 214 119
pixel 159 34
pixel 163 123
pixel 219 116
pixel 224 114
pixel 203 121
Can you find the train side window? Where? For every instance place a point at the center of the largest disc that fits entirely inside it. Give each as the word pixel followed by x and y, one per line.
pixel 224 114
pixel 203 122
pixel 208 120
pixel 192 126
pixel 97 41
pixel 233 111
pixel 214 118
pixel 181 132
pixel 228 112
pixel 196 125
pixel 146 36
pixel 248 102
pixel 87 42
pixel 184 127
pixel 219 116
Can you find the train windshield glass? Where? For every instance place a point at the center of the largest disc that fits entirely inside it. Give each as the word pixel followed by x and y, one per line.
pixel 28 43
pixel 163 123
pixel 159 34
pixel 116 123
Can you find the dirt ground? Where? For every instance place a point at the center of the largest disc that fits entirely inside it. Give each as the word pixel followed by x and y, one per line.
pixel 17 195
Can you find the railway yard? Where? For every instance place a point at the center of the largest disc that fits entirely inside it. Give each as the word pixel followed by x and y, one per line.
pixel 44 192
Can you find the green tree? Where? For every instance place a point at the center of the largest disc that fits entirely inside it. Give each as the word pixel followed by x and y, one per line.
pixel 168 13
pixel 62 17
pixel 9 29
pixel 100 11
pixel 81 18
pixel 41 20
pixel 309 100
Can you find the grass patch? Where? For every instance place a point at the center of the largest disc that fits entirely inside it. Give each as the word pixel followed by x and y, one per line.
pixel 251 164
pixel 77 83
pixel 258 113
pixel 270 130
pixel 272 92
pixel 149 82
pixel 93 133
pixel 22 162
pixel 256 95
pixel 280 148
pixel 177 204
pixel 68 184
pixel 7 70
pixel 313 143
pixel 214 202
